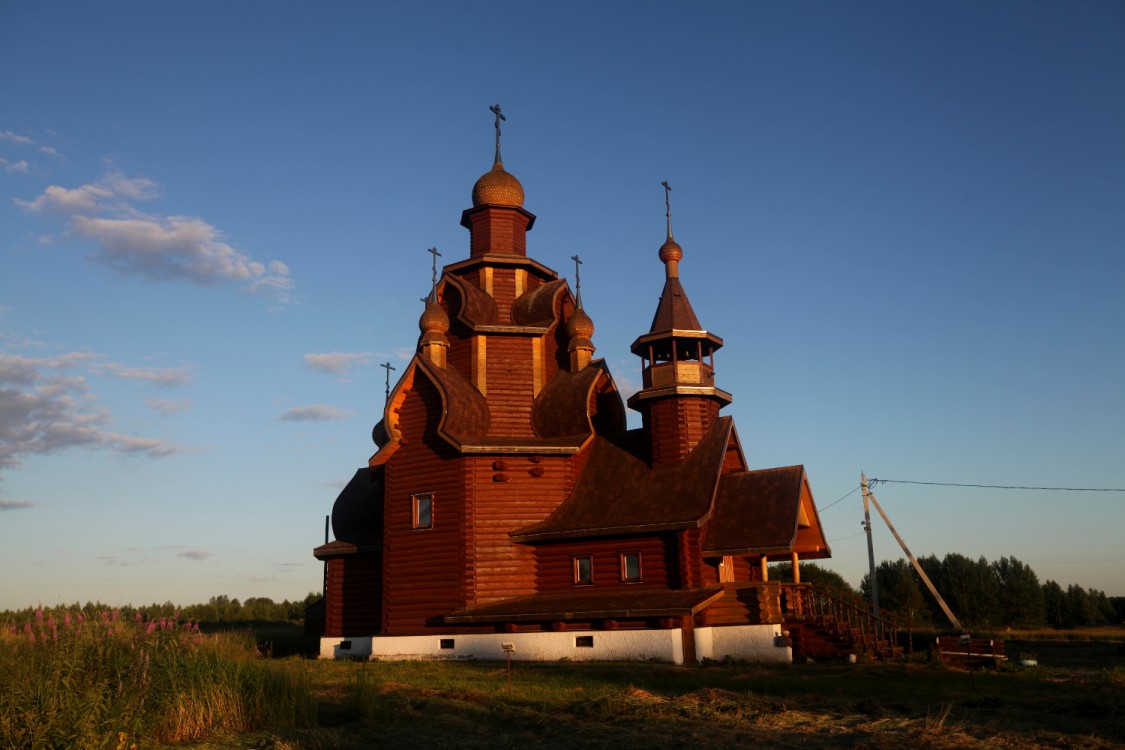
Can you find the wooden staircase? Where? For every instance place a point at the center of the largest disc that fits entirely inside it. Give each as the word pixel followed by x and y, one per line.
pixel 824 624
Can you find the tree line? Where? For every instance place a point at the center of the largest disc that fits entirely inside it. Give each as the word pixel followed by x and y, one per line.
pixel 982 594
pixel 218 609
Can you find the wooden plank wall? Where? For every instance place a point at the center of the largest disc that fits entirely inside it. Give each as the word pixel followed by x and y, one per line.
pixel 555 570
pixel 354 599
pixel 508 493
pixel 678 425
pixel 424 568
pixel 510 364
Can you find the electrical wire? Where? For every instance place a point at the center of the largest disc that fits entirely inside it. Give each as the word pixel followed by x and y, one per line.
pixel 849 536
pixel 873 482
pixel 845 497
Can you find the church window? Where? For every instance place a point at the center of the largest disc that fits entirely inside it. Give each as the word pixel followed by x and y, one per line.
pixel 583 570
pixel 423 510
pixel 630 567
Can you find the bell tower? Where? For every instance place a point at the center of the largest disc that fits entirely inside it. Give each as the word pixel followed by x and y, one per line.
pixel 678 400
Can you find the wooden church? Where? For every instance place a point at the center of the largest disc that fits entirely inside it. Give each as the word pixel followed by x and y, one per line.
pixel 509 509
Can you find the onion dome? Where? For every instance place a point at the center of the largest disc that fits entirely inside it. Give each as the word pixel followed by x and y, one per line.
pixel 580 325
pixel 434 319
pixel 671 250
pixel 498 188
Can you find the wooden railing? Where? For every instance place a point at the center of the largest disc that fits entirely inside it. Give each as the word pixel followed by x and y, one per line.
pixel 808 602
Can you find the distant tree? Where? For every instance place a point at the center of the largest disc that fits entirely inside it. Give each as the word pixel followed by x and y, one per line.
pixel 899 590
pixel 1118 604
pixel 1079 609
pixel 1102 609
pixel 1021 595
pixel 1054 605
pixel 811 573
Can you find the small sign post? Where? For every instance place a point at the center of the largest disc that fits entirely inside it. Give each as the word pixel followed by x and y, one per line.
pixel 508 649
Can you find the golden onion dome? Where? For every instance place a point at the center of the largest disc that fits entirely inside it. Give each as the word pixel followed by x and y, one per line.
pixel 498 188
pixel 671 251
pixel 580 325
pixel 434 319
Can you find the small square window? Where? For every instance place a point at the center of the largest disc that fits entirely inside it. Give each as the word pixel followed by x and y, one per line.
pixel 583 570
pixel 583 641
pixel 423 510
pixel 630 567
pixel 448 643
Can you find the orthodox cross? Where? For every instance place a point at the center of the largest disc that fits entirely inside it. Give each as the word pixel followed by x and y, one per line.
pixel 433 274
pixel 577 279
pixel 496 111
pixel 668 205
pixel 388 367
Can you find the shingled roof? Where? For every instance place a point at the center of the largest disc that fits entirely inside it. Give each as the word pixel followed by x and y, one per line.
pixel 619 493
pixel 674 312
pixel 756 512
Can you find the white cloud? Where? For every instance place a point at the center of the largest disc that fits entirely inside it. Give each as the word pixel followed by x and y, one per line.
pixel 15 504
pixel 20 166
pixel 43 411
pixel 19 140
pixel 153 246
pixel 337 363
pixel 155 375
pixel 164 406
pixel 314 413
pixel 194 554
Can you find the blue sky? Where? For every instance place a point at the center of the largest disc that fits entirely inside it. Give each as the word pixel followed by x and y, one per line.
pixel 905 220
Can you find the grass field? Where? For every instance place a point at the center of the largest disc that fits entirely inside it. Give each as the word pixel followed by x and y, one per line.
pixel 1074 699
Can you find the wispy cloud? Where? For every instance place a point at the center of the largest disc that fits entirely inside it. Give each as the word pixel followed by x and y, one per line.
pixel 46 407
pixel 314 413
pixel 166 406
pixel 194 554
pixel 337 363
pixel 155 247
pixel 20 166
pixel 7 136
pixel 15 504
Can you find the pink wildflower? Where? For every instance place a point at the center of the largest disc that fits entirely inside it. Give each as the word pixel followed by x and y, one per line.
pixel 39 615
pixel 27 627
pixel 66 619
pixel 138 618
pixel 81 618
pixel 150 629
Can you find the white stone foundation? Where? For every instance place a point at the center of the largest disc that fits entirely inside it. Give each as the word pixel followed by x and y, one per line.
pixel 757 643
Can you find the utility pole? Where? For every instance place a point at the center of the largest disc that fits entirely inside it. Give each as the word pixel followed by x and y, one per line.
pixel 921 573
pixel 872 581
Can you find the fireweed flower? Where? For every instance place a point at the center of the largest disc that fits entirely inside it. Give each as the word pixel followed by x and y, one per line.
pixel 39 615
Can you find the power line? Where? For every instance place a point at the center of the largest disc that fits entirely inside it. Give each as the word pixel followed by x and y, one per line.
pixel 849 536
pixel 873 482
pixel 826 507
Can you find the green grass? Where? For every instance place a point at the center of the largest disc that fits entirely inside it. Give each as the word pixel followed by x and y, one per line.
pixel 108 682
pixel 218 694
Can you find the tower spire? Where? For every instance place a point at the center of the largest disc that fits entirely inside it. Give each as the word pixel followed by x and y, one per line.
pixel 670 251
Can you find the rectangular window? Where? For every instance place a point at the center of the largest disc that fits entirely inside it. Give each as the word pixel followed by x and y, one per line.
pixel 583 570
pixel 584 641
pixel 447 643
pixel 423 510
pixel 630 567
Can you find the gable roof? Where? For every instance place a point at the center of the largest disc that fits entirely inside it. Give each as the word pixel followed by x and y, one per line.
pixel 619 493
pixel 760 512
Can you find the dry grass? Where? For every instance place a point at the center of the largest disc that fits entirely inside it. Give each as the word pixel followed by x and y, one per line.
pixel 633 706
